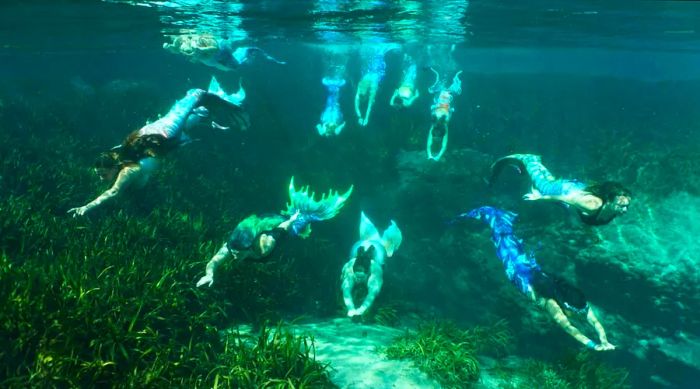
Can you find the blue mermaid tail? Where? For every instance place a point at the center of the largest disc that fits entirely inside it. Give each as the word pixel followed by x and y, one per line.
pixel 310 209
pixel 518 264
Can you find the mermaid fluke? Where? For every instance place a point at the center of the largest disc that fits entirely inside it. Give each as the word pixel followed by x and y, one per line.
pixel 500 221
pixel 309 209
pixel 392 238
pixel 512 161
pixel 226 107
pixel 233 98
pixel 367 229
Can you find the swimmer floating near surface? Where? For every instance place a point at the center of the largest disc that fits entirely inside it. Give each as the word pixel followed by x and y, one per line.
pixel 406 93
pixel 366 93
pixel 258 235
pixel 441 113
pixel 560 299
pixel 132 163
pixel 332 121
pixel 366 263
pixel 215 52
pixel 596 204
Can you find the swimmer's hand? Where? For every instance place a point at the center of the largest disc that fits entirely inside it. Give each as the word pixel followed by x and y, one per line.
pixel 79 211
pixel 208 280
pixel 604 346
pixel 533 195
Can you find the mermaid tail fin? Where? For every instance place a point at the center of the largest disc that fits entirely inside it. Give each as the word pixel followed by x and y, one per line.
pixel 511 160
pixel 332 82
pixel 310 209
pixel 233 98
pixel 226 107
pixel 367 229
pixel 241 54
pixel 392 239
pixel 500 221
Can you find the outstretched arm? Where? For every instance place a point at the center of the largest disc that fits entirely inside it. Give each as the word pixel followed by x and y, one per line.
pixel 586 202
pixel 558 315
pixel 347 284
pixel 125 177
pixel 392 100
pixel 434 88
pixel 374 285
pixel 357 105
pixel 593 321
pixel 213 263
pixel 285 224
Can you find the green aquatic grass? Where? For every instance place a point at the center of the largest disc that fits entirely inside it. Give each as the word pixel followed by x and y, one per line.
pixel 110 299
pixel 580 370
pixel 447 353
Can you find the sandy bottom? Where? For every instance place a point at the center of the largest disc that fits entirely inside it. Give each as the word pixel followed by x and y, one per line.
pixel 352 350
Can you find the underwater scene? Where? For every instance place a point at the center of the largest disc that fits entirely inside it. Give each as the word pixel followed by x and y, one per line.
pixel 349 194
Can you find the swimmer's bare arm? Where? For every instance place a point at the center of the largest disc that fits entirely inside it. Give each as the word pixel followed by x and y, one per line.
pixel 593 321
pixel 560 318
pixel 347 279
pixel 582 200
pixel 357 104
pixel 374 285
pixel 220 256
pixel 285 224
pixel 125 177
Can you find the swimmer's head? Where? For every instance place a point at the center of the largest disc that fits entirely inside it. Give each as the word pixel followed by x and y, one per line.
pixel 107 165
pixel 405 92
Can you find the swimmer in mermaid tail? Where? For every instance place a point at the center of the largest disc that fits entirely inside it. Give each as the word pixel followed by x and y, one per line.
pixel 406 93
pixel 372 76
pixel 257 236
pixel 219 53
pixel 441 113
pixel 556 296
pixel 332 121
pixel 366 263
pixel 132 163
pixel 596 204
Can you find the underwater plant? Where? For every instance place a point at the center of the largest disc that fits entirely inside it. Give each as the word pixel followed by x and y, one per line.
pixel 275 358
pixel 111 301
pixel 447 353
pixel 581 370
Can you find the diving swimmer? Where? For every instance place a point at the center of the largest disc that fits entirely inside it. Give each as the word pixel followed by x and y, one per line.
pixel 368 86
pixel 366 263
pixel 406 93
pixel 560 299
pixel 215 52
pixel 133 162
pixel 332 121
pixel 441 113
pixel 596 204
pixel 257 236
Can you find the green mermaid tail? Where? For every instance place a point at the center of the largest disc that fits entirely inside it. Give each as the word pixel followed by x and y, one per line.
pixel 310 209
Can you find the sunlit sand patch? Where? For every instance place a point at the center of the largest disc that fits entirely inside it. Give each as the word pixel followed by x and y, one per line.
pixel 353 350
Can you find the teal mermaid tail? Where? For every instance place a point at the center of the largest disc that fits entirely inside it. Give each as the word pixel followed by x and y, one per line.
pixel 391 238
pixel 232 98
pixel 226 107
pixel 540 177
pixel 333 83
pixel 310 210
